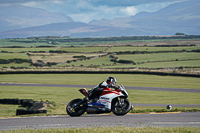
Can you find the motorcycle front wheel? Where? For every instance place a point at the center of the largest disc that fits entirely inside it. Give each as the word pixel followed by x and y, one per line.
pixel 74 108
pixel 121 108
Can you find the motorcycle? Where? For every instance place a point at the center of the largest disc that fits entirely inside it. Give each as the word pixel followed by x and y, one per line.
pixel 109 101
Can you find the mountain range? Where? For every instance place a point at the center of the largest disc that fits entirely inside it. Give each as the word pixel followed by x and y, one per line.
pixel 21 22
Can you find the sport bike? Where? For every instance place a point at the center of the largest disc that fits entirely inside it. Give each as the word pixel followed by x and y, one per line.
pixel 109 101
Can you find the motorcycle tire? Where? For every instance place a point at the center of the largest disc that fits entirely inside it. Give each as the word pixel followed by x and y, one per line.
pixel 73 109
pixel 117 110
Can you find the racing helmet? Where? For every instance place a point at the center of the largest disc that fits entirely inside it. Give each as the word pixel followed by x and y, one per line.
pixel 111 80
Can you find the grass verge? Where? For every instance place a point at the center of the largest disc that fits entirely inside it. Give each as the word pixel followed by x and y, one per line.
pixel 60 96
pixel 94 79
pixel 163 110
pixel 112 130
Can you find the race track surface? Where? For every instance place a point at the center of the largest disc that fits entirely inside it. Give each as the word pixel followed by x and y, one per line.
pixel 191 119
pixel 91 86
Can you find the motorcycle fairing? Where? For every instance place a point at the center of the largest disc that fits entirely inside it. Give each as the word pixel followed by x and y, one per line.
pixel 84 91
pixel 106 97
pixel 95 104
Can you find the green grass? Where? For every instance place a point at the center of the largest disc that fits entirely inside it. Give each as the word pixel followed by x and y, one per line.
pixel 150 49
pixel 102 61
pixel 8 110
pixel 170 64
pixel 57 94
pixel 145 60
pixel 16 65
pixel 9 43
pixel 163 110
pixel 62 95
pixel 15 50
pixel 159 60
pixel 13 55
pixel 100 49
pixel 94 79
pixel 83 49
pixel 161 97
pixel 173 59
pixel 111 130
pixel 159 57
pixel 147 109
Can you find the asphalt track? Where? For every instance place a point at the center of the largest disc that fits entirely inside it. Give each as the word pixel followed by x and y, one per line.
pixel 190 119
pixel 91 86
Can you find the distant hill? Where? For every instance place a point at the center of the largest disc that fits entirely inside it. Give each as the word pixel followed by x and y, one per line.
pixel 18 16
pixel 181 17
pixel 55 29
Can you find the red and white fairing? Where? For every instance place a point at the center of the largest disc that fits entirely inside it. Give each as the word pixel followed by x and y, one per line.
pixel 107 95
pixel 109 101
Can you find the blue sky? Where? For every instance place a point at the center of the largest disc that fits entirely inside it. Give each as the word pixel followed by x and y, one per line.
pixel 87 10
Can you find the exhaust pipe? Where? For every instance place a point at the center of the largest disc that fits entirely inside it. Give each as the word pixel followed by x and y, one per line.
pixel 91 110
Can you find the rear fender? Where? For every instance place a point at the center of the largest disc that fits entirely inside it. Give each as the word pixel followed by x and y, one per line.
pixel 83 91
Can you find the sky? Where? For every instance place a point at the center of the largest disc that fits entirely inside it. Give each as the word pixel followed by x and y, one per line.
pixel 88 10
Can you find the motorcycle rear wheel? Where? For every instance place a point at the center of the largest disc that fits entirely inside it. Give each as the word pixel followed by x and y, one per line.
pixel 74 108
pixel 121 110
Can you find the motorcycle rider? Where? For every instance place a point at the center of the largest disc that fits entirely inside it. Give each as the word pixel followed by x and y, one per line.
pixel 94 93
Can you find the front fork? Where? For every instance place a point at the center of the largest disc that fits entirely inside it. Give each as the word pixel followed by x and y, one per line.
pixel 121 103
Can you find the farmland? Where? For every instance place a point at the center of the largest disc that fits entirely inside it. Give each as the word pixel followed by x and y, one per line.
pixel 166 54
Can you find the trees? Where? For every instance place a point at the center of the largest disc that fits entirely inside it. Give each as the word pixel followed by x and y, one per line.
pixel 179 33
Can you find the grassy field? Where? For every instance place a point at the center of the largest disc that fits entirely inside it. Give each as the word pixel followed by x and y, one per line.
pixel 176 58
pixel 94 79
pixel 83 49
pixel 112 130
pixel 23 50
pixel 150 49
pixel 159 57
pixel 60 58
pixel 64 95
pixel 13 55
pixel 151 65
pixel 158 60
pixel 15 42
pixel 16 65
pixel 102 61
pixel 67 49
pixel 61 96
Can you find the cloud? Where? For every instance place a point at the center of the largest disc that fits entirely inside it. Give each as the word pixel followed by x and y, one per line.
pixel 93 2
pixel 130 10
pixel 128 2
pixel 87 10
pixel 36 3
pixel 152 7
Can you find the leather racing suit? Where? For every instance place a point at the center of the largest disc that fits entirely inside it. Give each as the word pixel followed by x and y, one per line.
pixel 94 93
